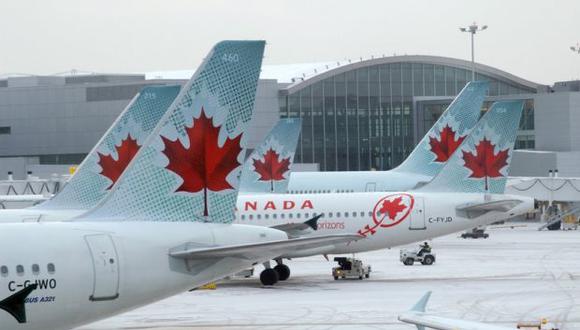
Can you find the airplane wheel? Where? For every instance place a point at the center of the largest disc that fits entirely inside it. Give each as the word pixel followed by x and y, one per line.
pixel 269 276
pixel 283 272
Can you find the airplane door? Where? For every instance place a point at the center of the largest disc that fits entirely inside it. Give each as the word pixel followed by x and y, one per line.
pixel 371 186
pixel 106 267
pixel 418 215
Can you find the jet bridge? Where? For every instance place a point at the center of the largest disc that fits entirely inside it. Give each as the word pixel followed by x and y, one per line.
pixel 558 197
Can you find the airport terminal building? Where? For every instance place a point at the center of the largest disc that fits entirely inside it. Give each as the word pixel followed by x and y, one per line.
pixel 357 115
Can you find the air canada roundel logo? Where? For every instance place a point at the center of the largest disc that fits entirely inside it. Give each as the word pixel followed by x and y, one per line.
pixel 389 211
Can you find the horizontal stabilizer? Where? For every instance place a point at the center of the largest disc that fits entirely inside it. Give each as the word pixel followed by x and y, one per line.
pixel 250 251
pixel 14 304
pixel 475 210
pixel 299 229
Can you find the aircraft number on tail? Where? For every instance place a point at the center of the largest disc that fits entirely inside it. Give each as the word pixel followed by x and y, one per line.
pixel 149 96
pixel 231 58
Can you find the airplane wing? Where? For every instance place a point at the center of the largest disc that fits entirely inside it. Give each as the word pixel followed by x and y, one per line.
pixel 252 251
pixel 422 320
pixel 475 210
pixel 295 230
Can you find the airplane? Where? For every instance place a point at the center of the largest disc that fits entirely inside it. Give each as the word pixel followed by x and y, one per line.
pixel 466 193
pixel 422 320
pixel 167 228
pixel 104 164
pixel 424 162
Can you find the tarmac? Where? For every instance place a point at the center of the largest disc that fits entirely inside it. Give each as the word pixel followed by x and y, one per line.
pixel 517 274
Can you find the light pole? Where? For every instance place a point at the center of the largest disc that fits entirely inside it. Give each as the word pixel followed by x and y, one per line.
pixel 472 29
pixel 576 49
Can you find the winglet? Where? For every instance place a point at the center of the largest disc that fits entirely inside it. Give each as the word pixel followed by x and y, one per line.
pixel 422 303
pixel 14 304
pixel 313 223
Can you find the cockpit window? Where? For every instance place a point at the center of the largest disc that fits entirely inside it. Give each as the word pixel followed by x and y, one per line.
pixel 50 268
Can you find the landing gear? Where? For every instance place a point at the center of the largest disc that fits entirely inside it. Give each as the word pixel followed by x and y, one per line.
pixel 269 276
pixel 283 270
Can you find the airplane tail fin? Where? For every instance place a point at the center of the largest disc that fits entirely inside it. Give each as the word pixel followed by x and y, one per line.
pixel 188 169
pixel 268 168
pixel 481 163
pixel 99 171
pixel 433 151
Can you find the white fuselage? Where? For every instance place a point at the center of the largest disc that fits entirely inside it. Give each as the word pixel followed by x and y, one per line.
pixel 87 271
pixel 431 215
pixel 354 181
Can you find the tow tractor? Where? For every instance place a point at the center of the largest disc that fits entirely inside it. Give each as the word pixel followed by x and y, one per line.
pixel 409 257
pixel 350 268
pixel 475 233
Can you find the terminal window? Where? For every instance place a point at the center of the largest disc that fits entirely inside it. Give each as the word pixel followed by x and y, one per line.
pixel 5 129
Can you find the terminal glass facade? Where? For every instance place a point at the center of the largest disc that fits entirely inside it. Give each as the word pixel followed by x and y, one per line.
pixel 366 118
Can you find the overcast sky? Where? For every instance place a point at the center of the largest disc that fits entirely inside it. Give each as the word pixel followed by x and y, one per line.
pixel 529 38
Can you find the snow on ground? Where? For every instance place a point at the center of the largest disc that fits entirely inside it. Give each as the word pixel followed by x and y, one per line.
pixel 518 274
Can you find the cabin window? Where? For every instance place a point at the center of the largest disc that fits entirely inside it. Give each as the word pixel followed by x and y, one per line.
pixel 274 216
pixel 282 216
pixel 346 214
pixel 4 271
pixel 20 270
pixel 290 216
pixel 298 215
pixel 306 215
pixel 35 269
pixel 322 215
pixel 330 214
pixel 259 216
pixel 251 217
pixel 243 217
pixel 50 268
pixel 266 216
pixel 371 214
pixel 362 213
pixel 354 214
pixel 338 214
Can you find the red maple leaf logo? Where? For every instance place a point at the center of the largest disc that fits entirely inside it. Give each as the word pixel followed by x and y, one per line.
pixel 446 145
pixel 484 163
pixel 112 168
pixel 272 168
pixel 204 165
pixel 392 208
